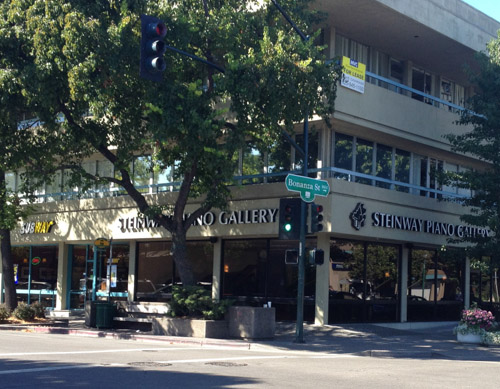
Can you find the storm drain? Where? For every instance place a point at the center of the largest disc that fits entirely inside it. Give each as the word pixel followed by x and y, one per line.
pixel 226 364
pixel 149 364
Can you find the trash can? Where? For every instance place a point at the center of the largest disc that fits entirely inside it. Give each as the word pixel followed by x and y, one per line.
pixel 90 313
pixel 104 314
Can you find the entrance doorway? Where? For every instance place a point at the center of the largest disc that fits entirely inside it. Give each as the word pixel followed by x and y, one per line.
pixel 90 274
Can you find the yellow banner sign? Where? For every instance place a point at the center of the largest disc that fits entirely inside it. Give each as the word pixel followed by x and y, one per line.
pixel 353 75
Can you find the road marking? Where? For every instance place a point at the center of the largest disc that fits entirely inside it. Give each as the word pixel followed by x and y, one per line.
pixel 204 360
pixel 39 369
pixel 93 351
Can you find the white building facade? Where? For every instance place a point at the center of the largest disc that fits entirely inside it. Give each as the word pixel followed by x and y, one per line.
pixel 387 220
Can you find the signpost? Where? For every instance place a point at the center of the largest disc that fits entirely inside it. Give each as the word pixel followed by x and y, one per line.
pixel 307 187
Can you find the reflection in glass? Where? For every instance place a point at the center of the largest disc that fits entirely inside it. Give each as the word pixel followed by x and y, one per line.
pixel 384 165
pixel 402 169
pixel 156 272
pixel 343 154
pixel 364 160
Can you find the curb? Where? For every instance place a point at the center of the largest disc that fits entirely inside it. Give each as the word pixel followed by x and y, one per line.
pixel 129 336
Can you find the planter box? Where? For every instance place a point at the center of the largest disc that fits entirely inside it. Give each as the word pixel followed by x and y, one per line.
pixel 196 328
pixel 469 338
pixel 252 322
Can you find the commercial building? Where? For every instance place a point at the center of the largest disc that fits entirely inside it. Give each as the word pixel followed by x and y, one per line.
pixel 387 220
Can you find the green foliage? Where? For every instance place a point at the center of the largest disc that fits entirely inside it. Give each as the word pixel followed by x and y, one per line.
pixel 24 312
pixel 195 301
pixel 79 61
pixel 4 312
pixel 483 143
pixel 39 309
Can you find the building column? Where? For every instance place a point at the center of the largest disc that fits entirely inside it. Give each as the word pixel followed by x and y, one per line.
pixel 403 308
pixel 62 277
pixel 466 292
pixel 132 259
pixel 322 282
pixel 216 270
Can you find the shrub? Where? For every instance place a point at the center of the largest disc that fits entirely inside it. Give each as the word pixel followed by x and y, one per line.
pixel 39 309
pixel 491 337
pixel 194 301
pixel 24 312
pixel 4 312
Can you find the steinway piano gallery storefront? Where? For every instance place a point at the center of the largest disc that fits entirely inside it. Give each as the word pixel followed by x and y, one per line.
pixel 387 257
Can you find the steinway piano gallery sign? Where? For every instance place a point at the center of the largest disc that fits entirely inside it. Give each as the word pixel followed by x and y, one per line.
pixel 408 223
pixel 246 216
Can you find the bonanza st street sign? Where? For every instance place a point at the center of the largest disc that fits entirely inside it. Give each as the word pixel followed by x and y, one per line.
pixel 307 187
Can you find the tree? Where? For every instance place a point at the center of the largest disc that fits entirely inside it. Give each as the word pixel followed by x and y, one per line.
pixel 482 142
pixel 19 147
pixel 83 64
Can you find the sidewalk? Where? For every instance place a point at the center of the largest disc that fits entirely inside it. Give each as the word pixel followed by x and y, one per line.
pixel 407 340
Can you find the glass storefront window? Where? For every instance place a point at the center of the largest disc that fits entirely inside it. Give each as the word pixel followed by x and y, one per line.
pixel 156 269
pixel 363 282
pixel 435 284
pixel 35 271
pixel 254 272
pixel 244 271
pixel 484 282
pixel 382 282
pixel 347 287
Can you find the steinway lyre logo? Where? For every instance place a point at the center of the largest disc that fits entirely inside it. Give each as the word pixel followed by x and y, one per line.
pixel 358 216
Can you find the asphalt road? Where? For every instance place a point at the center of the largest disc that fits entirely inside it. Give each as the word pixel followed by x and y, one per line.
pixel 50 361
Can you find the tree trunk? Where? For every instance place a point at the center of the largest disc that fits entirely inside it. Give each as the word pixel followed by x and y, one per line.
pixel 182 263
pixel 5 250
pixel 8 270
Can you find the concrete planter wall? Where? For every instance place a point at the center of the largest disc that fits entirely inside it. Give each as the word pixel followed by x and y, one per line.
pixel 195 328
pixel 252 322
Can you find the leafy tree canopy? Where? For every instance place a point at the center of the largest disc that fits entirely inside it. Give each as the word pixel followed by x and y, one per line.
pixel 482 142
pixel 77 65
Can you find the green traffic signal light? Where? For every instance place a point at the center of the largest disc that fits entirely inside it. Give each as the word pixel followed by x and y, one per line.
pixel 289 218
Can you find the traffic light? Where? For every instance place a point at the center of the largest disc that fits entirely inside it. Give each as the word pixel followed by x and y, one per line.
pixel 292 257
pixel 316 217
pixel 153 30
pixel 289 219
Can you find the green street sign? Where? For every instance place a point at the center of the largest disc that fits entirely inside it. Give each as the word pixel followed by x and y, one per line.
pixel 308 187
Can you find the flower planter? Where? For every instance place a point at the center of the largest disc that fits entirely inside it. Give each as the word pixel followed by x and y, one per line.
pixel 196 328
pixel 252 322
pixel 469 338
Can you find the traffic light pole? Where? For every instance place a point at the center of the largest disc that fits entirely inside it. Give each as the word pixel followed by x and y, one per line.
pixel 299 327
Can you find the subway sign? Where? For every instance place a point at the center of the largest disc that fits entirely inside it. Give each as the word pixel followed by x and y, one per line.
pixel 37 227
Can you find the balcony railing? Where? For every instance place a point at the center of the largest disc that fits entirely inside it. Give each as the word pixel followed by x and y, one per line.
pixel 337 173
pixel 426 98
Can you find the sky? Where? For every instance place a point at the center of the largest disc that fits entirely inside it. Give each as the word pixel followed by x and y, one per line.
pixel 489 7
